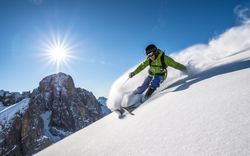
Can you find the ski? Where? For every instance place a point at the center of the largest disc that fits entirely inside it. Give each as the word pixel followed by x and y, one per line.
pixel 123 111
pixel 129 110
pixel 126 109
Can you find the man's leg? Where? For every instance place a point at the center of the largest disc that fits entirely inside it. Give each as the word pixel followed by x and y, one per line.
pixel 155 83
pixel 144 86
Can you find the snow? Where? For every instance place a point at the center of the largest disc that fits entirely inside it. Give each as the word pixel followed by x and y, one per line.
pixel 11 150
pixel 1 93
pixel 206 113
pixel 103 102
pixel 8 94
pixel 59 82
pixel 7 114
pixel 61 132
pixel 2 107
pixel 60 78
pixel 197 58
pixel 46 116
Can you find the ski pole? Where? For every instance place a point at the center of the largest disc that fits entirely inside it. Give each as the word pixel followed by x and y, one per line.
pixel 125 81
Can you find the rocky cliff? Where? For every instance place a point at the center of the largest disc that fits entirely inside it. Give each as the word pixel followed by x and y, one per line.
pixel 51 112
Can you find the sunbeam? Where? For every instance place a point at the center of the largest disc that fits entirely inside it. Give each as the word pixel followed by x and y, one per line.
pixel 58 51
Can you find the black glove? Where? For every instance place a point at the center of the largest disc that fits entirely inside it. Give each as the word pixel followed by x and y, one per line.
pixel 185 71
pixel 131 74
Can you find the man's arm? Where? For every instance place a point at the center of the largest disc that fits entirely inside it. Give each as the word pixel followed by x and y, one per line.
pixel 142 66
pixel 172 63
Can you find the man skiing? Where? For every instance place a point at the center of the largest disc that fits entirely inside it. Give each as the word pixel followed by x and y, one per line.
pixel 157 73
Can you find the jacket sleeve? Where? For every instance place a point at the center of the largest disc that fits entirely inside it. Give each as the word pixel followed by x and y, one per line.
pixel 142 66
pixel 172 63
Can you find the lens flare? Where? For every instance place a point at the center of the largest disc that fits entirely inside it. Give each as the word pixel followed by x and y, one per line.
pixel 58 54
pixel 58 51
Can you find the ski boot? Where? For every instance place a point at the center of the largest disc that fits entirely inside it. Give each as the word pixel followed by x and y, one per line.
pixel 120 113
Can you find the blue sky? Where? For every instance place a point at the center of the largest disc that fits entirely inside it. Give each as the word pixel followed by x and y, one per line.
pixel 107 37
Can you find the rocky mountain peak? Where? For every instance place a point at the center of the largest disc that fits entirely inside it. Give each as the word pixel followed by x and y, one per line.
pixel 57 83
pixel 55 110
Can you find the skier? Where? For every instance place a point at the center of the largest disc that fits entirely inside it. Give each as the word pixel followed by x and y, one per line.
pixel 157 73
pixel 158 62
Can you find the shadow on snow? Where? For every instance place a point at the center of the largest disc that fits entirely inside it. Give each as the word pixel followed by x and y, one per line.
pixel 227 68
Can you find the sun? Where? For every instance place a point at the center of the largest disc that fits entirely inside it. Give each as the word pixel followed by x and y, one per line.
pixel 58 51
pixel 58 54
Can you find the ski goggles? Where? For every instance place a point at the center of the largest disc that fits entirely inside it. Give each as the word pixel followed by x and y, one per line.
pixel 151 54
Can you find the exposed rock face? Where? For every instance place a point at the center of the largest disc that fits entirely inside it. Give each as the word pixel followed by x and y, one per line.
pixel 71 108
pixel 55 110
pixel 10 98
pixel 11 128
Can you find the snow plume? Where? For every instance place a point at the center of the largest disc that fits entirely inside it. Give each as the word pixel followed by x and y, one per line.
pixel 123 87
pixel 201 57
pixel 197 58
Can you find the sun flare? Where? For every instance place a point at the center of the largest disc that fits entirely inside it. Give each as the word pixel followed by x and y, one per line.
pixel 58 51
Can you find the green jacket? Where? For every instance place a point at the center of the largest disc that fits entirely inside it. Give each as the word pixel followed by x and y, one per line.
pixel 156 65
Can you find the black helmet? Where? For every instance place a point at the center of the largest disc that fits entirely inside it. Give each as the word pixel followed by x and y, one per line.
pixel 150 48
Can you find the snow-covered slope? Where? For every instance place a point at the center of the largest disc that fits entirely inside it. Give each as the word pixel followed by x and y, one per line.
pixel 8 113
pixel 206 113
pixel 198 58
